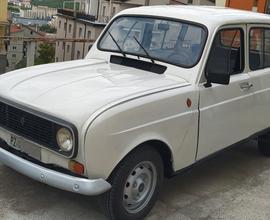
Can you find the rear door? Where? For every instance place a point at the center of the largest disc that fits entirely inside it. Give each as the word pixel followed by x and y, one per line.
pixel 225 109
pixel 259 71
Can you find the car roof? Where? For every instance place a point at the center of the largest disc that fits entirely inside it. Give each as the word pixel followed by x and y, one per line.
pixel 209 16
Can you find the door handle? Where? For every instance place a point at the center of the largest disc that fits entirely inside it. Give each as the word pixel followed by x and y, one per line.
pixel 245 85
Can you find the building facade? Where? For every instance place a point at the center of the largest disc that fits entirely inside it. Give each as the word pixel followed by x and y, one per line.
pixel 108 9
pixel 17 48
pixel 38 12
pixel 75 27
pixel 262 6
pixel 3 28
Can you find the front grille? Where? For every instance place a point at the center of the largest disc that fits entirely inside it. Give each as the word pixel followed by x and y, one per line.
pixel 27 125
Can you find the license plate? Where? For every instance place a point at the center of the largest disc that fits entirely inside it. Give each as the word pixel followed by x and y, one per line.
pixel 25 146
pixel 13 142
pixel 21 144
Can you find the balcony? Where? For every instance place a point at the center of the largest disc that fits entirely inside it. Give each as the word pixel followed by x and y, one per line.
pixel 76 14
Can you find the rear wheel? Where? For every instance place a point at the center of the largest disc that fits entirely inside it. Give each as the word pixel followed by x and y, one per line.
pixel 264 145
pixel 135 185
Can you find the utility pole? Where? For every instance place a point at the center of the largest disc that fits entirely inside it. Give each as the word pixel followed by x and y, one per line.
pixel 110 8
pixel 31 45
pixel 3 26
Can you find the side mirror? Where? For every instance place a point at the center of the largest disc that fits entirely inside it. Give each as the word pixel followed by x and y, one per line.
pixel 219 78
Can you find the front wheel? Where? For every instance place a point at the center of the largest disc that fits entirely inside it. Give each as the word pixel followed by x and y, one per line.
pixel 135 185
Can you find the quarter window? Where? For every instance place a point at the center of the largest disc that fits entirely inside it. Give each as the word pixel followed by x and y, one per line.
pixel 227 53
pixel 259 48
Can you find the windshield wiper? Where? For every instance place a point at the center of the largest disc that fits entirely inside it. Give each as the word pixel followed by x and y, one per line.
pixel 120 49
pixel 145 51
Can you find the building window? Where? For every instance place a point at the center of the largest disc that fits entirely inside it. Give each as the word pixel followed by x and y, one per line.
pixel 190 2
pixel 68 48
pixel 104 11
pixel 78 54
pixel 14 48
pixel 69 28
pixel 13 55
pixel 60 24
pixel 255 3
pixel 113 11
pixel 80 32
pixel 89 35
pixel 65 26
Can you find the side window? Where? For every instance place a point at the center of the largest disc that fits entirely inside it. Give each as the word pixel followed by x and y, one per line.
pixel 267 47
pixel 227 53
pixel 259 48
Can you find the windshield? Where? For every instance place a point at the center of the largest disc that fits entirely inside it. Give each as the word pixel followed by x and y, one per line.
pixel 165 40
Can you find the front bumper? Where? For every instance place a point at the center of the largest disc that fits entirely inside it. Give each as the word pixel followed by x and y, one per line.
pixel 53 178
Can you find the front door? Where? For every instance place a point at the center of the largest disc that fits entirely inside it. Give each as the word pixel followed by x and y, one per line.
pixel 225 109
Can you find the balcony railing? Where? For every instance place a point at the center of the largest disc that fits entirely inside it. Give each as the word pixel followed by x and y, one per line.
pixel 76 14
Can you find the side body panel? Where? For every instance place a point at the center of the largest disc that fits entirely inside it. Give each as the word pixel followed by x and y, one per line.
pixel 225 116
pixel 162 116
pixel 261 88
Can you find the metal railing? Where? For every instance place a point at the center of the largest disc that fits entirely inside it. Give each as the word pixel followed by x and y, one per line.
pixel 76 14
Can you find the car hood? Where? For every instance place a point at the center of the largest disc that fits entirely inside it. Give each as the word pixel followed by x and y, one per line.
pixel 75 90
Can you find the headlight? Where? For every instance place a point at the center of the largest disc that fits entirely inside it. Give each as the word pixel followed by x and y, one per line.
pixel 64 139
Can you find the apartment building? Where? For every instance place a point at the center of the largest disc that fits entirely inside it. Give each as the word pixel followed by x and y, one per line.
pixel 38 12
pixel 17 48
pixel 26 3
pixel 109 8
pixel 262 6
pixel 75 26
pixel 3 25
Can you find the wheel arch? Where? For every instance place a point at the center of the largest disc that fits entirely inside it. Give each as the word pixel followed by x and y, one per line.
pixel 162 148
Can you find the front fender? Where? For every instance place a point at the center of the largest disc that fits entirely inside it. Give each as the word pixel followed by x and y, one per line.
pixel 117 131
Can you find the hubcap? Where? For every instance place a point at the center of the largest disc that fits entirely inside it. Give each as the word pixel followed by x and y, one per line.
pixel 139 187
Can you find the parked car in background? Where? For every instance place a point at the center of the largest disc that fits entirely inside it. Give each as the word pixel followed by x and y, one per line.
pixel 162 88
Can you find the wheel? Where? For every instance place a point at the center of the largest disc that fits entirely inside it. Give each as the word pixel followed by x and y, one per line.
pixel 135 185
pixel 264 145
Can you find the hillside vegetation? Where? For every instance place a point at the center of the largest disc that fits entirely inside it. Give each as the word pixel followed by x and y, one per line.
pixel 49 3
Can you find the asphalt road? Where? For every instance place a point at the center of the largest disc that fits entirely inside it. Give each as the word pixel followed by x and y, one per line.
pixel 233 185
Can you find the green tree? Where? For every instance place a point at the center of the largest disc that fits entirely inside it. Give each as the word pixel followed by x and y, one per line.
pixel 46 54
pixel 13 9
pixel 48 29
pixel 21 64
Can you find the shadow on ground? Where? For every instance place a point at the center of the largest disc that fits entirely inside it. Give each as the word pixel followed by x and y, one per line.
pixel 233 185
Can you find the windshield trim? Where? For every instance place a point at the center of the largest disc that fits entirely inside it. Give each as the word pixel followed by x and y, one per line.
pixel 161 18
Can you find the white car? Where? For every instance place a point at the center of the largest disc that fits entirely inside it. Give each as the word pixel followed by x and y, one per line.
pixel 162 88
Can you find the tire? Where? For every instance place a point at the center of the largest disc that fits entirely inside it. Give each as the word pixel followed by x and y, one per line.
pixel 132 197
pixel 264 145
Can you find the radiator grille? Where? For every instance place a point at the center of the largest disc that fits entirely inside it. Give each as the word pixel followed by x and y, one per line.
pixel 27 125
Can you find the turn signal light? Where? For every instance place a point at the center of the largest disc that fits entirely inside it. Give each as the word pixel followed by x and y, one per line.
pixel 76 167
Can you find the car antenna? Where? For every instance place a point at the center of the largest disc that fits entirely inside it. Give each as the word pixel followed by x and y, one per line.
pixel 145 51
pixel 120 49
